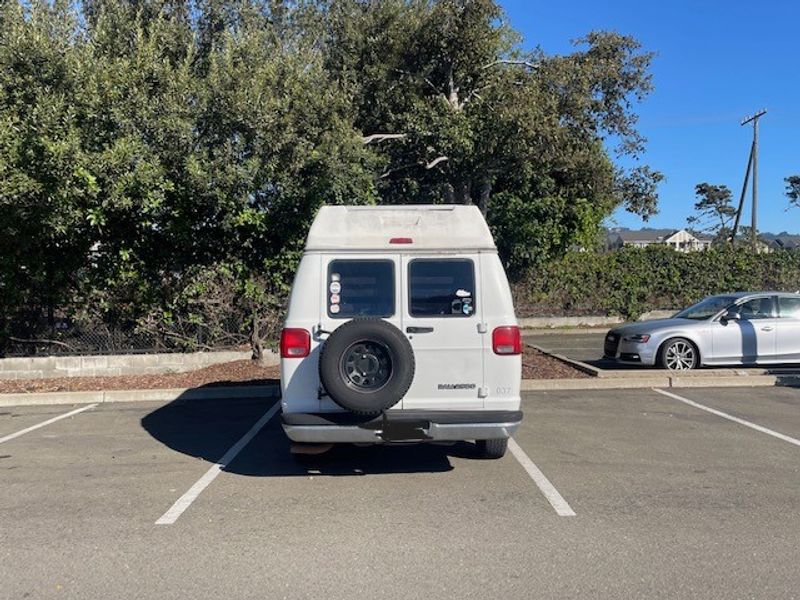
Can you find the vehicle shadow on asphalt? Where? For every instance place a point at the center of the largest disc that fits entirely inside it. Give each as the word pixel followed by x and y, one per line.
pixel 207 429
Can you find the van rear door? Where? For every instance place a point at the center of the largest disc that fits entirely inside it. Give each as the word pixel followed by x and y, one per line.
pixel 442 318
pixel 359 285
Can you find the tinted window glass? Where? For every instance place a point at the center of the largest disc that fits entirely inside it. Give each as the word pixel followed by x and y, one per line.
pixel 757 308
pixel 360 288
pixel 790 308
pixel 441 288
pixel 707 308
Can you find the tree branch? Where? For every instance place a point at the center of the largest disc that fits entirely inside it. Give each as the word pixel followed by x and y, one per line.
pixel 428 166
pixel 522 63
pixel 379 137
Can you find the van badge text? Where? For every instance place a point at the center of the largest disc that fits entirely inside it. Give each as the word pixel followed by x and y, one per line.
pixel 456 386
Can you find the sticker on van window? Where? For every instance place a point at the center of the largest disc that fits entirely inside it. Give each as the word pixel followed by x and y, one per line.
pixel 463 294
pixel 334 309
pixel 336 287
pixel 335 277
pixel 335 298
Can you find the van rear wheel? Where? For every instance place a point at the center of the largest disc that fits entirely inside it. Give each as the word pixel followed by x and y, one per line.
pixel 492 449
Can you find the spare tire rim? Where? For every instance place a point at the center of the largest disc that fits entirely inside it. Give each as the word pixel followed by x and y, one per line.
pixel 366 366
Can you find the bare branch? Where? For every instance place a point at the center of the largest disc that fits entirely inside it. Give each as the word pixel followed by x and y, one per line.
pixel 427 166
pixel 379 137
pixel 522 63
pixel 435 162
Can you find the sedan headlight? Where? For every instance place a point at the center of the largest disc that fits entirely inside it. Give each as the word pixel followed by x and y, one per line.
pixel 639 338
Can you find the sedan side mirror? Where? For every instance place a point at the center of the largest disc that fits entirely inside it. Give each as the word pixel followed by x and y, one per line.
pixel 732 314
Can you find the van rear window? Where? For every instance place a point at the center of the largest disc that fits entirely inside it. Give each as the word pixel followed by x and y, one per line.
pixel 441 288
pixel 360 288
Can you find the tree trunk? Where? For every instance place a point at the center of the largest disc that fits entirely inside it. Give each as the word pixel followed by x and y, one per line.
pixel 255 339
pixel 462 193
pixel 483 196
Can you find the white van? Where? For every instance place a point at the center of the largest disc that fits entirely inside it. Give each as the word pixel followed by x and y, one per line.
pixel 401 328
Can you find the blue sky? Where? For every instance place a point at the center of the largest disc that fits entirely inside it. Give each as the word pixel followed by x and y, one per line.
pixel 717 62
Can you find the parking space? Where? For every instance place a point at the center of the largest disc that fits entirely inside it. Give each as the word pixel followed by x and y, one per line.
pixel 670 500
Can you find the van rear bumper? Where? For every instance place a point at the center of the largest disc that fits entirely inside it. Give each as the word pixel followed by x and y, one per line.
pixel 401 426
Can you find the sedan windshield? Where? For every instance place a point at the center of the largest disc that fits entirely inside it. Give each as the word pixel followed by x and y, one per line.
pixel 707 308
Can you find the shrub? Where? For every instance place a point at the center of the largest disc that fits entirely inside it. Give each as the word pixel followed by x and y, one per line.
pixel 632 281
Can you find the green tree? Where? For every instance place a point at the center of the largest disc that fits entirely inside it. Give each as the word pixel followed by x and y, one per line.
pixel 456 112
pixel 793 189
pixel 159 157
pixel 714 209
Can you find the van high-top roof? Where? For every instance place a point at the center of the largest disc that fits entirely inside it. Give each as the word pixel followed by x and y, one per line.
pixel 407 228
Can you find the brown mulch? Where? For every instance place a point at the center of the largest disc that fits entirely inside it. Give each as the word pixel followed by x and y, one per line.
pixel 538 365
pixel 535 365
pixel 238 372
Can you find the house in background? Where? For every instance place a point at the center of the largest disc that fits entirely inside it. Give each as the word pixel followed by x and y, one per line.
pixel 681 240
pixel 783 241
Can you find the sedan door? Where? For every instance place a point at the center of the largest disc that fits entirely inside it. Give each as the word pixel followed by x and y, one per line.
pixel 788 329
pixel 750 339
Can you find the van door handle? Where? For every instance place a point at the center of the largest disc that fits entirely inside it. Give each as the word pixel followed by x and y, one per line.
pixel 766 328
pixel 419 329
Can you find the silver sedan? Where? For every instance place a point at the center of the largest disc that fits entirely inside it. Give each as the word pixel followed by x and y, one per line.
pixel 729 329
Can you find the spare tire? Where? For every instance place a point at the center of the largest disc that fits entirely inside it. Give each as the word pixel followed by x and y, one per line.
pixel 366 365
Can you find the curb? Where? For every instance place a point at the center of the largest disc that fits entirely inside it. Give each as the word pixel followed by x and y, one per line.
pixel 533 385
pixel 273 391
pixel 581 366
pixel 155 395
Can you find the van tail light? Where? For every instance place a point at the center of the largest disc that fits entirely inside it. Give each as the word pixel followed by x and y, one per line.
pixel 507 340
pixel 295 343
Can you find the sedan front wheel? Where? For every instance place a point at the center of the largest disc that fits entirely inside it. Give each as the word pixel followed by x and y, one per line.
pixel 678 354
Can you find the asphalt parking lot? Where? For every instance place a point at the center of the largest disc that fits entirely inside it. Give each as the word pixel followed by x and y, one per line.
pixel 689 495
pixel 586 346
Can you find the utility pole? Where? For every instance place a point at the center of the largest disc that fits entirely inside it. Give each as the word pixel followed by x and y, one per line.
pixel 754 161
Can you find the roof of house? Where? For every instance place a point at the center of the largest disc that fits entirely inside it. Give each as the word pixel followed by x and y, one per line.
pixel 428 227
pixel 787 241
pixel 644 235
pixel 654 235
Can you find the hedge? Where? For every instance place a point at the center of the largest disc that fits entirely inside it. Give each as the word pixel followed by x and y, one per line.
pixel 631 281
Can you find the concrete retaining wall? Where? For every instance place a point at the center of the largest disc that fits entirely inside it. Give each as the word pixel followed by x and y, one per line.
pixel 117 364
pixel 587 321
pixel 556 322
pixel 657 314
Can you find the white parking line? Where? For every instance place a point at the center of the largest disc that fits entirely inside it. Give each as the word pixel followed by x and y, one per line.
pixel 185 501
pixel 725 415
pixel 555 499
pixel 11 436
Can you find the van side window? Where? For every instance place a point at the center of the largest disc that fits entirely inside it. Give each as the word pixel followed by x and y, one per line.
pixel 441 288
pixel 360 288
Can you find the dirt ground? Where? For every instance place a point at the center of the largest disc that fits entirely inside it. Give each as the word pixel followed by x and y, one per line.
pixel 535 365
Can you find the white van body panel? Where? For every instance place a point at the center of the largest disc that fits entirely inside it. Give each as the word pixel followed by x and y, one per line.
pixel 300 376
pixel 438 227
pixel 502 372
pixel 456 368
pixel 449 360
